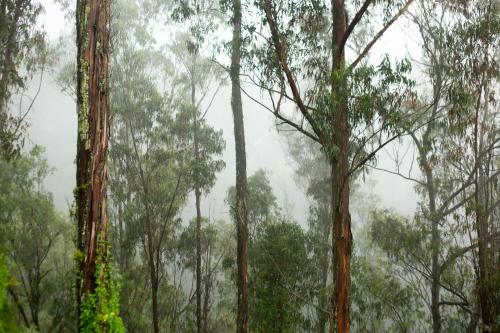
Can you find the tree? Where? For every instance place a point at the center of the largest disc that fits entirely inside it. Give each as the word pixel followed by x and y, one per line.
pixel 278 262
pixel 240 207
pixel 32 231
pixel 215 246
pixel 199 74
pixel 262 207
pixel 346 109
pixel 152 175
pixel 22 54
pixel 96 299
pixel 445 114
pixel 206 142
pixel 381 301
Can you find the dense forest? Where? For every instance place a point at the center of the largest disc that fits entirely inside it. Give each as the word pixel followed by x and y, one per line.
pixel 359 96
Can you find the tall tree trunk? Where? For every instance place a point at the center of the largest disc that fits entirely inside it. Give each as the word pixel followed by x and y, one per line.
pixel 424 149
pixel 481 227
pixel 197 193
pixel 241 212
pixel 92 23
pixel 199 277
pixel 341 226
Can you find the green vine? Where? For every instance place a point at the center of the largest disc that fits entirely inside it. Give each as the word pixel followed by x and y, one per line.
pixel 100 309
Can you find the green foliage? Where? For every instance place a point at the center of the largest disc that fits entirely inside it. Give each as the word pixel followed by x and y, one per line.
pixel 100 309
pixel 381 301
pixel 400 239
pixel 261 203
pixel 37 242
pixel 278 264
pixel 7 323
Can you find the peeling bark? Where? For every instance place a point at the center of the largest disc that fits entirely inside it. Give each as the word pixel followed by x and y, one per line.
pixel 92 21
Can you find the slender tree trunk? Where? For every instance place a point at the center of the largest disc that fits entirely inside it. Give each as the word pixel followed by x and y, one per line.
pixel 198 261
pixel 241 212
pixel 153 266
pixel 153 272
pixel 92 23
pixel 323 302
pixel 34 297
pixel 341 220
pixel 19 306
pixel 208 286
pixel 481 228
pixel 433 217
pixel 197 193
pixel 435 249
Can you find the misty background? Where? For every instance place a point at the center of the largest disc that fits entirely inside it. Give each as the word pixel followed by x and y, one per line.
pixel 52 124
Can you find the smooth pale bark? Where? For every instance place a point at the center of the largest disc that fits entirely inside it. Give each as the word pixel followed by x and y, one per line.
pixel 92 20
pixel 240 209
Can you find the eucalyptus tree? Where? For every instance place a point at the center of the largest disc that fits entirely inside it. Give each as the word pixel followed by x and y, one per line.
pixel 151 180
pixel 32 231
pixel 199 76
pixel 22 54
pixel 240 207
pixel 313 176
pixel 348 108
pixel 473 96
pixel 448 163
pixel 278 262
pixel 207 145
pixel 95 296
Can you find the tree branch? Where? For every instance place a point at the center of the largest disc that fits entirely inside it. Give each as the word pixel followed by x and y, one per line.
pixel 281 55
pixel 378 35
pixel 352 25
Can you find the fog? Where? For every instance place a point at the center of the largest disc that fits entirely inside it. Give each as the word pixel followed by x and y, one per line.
pixel 53 126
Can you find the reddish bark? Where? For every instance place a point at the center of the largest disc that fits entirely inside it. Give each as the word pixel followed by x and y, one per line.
pixel 93 134
pixel 342 238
